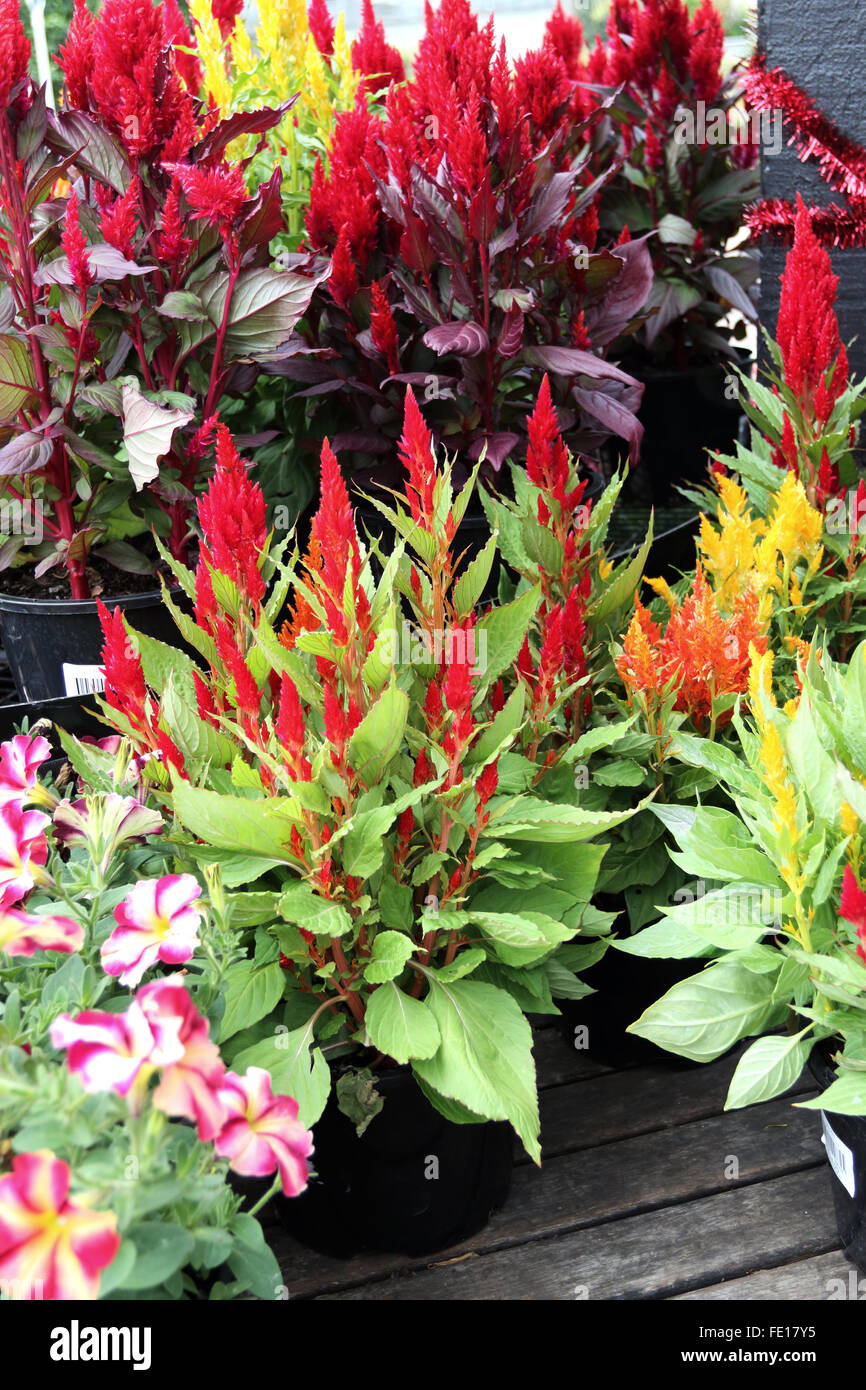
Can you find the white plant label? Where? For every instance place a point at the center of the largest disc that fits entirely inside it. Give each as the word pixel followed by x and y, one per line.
pixel 83 680
pixel 840 1156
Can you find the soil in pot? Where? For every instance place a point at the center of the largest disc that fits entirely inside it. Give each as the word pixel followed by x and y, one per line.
pixel 845 1141
pixel 412 1183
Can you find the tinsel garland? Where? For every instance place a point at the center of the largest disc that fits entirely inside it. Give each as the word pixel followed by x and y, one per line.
pixel 841 162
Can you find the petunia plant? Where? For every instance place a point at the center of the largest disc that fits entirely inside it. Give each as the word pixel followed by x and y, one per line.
pixel 137 291
pixel 376 776
pixel 119 1120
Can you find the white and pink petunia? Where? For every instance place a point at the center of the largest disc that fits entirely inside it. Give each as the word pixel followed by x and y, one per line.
pixel 22 933
pixel 262 1133
pixel 50 1248
pixel 118 1052
pixel 158 920
pixel 189 1085
pixel 23 850
pixel 20 760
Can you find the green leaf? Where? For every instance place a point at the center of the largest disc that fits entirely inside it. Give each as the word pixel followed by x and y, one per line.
pixel 17 380
pixel 470 585
pixel 504 629
pixel 250 994
pixel 161 1248
pixel 296 1068
pixel 703 1016
pixel 262 828
pixel 769 1067
pixel 300 905
pixel 546 821
pixel 266 305
pixel 845 1096
pixel 148 431
pixel 400 1026
pixel 484 1061
pixel 379 735
pixel 390 952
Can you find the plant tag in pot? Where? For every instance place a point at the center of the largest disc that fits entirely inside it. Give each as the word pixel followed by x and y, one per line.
pixel 83 680
pixel 840 1156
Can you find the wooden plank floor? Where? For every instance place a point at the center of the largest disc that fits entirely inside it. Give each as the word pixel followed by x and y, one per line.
pixel 647 1190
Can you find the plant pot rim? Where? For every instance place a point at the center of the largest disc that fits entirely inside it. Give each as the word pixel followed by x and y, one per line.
pixel 12 603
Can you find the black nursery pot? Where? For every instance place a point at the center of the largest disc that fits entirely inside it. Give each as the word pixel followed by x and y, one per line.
pixel 54 646
pixel 625 986
pixel 684 414
pixel 412 1184
pixel 845 1142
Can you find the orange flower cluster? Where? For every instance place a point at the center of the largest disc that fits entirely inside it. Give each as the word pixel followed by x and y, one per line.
pixel 702 655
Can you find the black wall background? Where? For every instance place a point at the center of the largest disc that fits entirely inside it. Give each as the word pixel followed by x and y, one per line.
pixel 822 45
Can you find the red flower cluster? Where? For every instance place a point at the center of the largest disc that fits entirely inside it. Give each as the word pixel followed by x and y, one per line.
pixel 125 689
pixel 815 362
pixel 14 50
pixel 371 54
pixel 321 26
pixel 852 907
pixel 119 64
pixel 232 518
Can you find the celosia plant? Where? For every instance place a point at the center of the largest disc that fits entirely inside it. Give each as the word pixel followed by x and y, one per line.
pixel 798 517
pixel 78 1061
pixel 466 259
pixel 688 170
pixel 136 300
pixel 787 917
pixel 386 772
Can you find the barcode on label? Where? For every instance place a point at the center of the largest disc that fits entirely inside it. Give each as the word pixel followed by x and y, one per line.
pixel 83 680
pixel 840 1156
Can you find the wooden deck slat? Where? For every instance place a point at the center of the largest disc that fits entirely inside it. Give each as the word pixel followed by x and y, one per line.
pixel 589 1187
pixel 817 1278
pixel 639 1101
pixel 654 1255
pixel 556 1063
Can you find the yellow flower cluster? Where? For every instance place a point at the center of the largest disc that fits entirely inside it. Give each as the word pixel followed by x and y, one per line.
pixel 775 768
pixel 748 552
pixel 279 62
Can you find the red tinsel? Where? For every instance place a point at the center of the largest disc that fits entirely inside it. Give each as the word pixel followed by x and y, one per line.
pixel 841 161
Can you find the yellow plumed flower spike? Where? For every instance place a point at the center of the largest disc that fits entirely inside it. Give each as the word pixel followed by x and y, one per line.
pixel 849 820
pixel 761 684
pixel 663 589
pixel 209 47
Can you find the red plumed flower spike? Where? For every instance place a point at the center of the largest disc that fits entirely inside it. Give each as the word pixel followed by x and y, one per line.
pixel 547 457
pixel 383 329
pixel 343 279
pixel 76 57
pixel 217 195
pixel 75 245
pixel 232 518
pixel 321 27
pixel 134 84
pixel 852 907
pixel 333 529
pixel 125 688
pixel 416 455
pixel 119 222
pixel 14 50
pixel 372 55
pixel 807 328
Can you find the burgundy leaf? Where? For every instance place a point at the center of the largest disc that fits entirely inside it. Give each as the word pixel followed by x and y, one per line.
pixel 466 339
pixel 241 123
pixel 548 205
pixel 26 452
pixel 511 337
pixel 614 415
pixel 627 295
pixel 264 218
pixel 499 446
pixel 574 362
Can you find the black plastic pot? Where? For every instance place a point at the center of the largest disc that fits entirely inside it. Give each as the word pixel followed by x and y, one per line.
pixel 625 986
pixel 54 646
pixel 674 532
pixel 845 1141
pixel 412 1184
pixel 684 414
